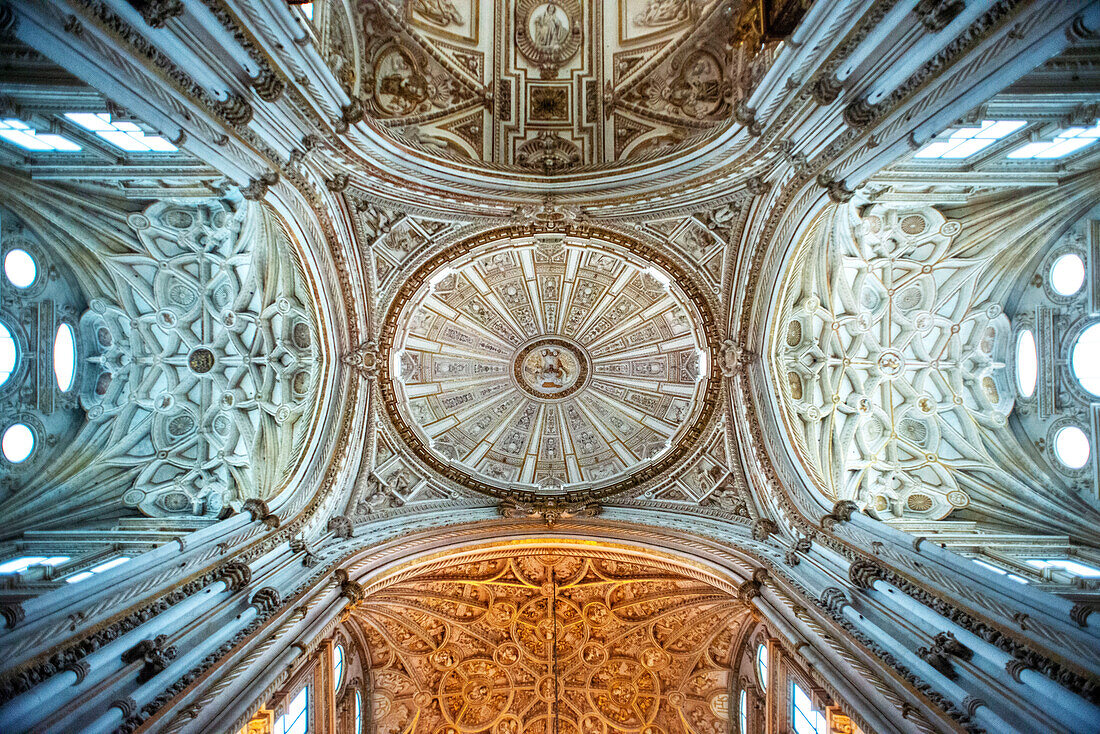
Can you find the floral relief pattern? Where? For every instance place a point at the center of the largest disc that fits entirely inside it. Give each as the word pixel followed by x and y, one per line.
pixel 891 362
pixel 514 645
pixel 206 360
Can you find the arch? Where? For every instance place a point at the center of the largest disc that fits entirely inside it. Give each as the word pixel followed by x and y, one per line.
pixel 733 571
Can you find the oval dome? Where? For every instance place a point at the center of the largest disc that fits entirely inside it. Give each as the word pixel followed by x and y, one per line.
pixel 547 364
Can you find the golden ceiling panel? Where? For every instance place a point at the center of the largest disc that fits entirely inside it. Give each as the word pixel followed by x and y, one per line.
pixel 547 364
pixel 550 642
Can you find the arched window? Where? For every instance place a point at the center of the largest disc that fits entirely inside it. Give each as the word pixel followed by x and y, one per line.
pixel 743 712
pixel 359 712
pixel 1027 363
pixel 762 666
pixel 1067 274
pixel 64 357
pixel 804 717
pixel 7 353
pixel 42 305
pixel 1071 446
pixel 20 268
pixel 21 564
pixel 17 443
pixel 296 718
pixel 337 666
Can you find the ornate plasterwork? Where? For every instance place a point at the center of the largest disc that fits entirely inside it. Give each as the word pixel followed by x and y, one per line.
pixel 552 85
pixel 546 642
pixel 547 363
pixel 890 362
pixel 203 362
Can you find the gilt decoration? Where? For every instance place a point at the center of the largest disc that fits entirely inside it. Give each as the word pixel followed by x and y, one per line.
pixel 543 642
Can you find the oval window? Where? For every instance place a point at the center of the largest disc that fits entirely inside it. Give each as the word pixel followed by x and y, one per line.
pixel 1071 446
pixel 20 268
pixel 1027 363
pixel 64 357
pixel 1085 359
pixel 18 442
pixel 762 666
pixel 1067 275
pixel 7 353
pixel 338 666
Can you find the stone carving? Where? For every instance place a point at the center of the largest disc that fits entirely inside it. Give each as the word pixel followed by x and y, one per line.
pixel 200 360
pixel 492 646
pixel 834 600
pixel 442 12
pixel 863 573
pixel 266 600
pixel 900 445
pixel 764 528
pixel 944 647
pixel 549 511
pixel 340 526
pixel 158 12
pixel 423 75
pixel 236 575
pixel 256 508
pixel 735 358
pixel 364 359
pixel 548 152
pixel 154 654
pixel 350 590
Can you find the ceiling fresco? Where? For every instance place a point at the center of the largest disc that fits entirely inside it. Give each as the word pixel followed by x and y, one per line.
pixel 553 86
pixel 548 364
pixel 538 643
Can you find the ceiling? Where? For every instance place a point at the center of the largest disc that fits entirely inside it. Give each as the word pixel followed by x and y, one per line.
pixel 535 641
pixel 550 87
pixel 548 364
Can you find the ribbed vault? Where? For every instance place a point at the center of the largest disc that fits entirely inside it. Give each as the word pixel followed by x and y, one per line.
pixel 538 640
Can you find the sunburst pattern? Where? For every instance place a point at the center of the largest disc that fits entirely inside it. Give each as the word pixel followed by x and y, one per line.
pixel 549 364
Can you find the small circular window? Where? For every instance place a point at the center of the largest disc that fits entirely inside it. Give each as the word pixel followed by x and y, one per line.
pixel 20 268
pixel 17 443
pixel 7 353
pixel 1067 275
pixel 1071 446
pixel 1027 363
pixel 1085 359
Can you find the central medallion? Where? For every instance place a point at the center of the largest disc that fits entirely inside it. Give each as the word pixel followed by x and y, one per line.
pixel 551 368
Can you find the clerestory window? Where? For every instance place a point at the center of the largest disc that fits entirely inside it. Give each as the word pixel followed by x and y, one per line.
pixel 964 142
pixel 26 137
pixel 121 134
pixel 1067 141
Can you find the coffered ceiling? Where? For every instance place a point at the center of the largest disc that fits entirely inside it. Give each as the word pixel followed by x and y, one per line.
pixel 554 86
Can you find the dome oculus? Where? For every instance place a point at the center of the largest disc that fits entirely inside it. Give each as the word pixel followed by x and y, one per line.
pixel 547 364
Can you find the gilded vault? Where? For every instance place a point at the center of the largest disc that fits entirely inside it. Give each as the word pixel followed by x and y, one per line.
pixel 536 641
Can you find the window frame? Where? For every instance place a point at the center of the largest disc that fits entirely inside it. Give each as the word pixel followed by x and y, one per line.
pixel 761 664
